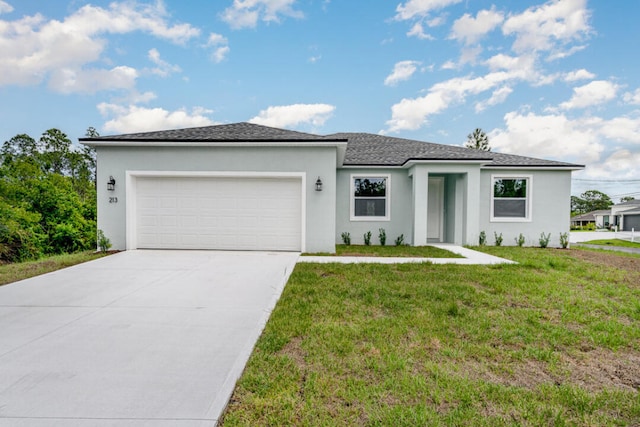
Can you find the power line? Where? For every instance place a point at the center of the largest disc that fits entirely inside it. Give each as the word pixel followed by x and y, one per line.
pixel 606 180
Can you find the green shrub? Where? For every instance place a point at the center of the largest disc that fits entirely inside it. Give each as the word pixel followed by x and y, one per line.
pixel 382 235
pixel 482 240
pixel 346 238
pixel 520 240
pixel 564 240
pixel 367 238
pixel 104 244
pixel 498 238
pixel 400 240
pixel 544 240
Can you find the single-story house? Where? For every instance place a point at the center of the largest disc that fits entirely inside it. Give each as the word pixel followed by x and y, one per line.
pixel 244 186
pixel 600 218
pixel 627 215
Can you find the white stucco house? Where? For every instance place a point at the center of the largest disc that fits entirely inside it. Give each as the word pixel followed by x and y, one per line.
pixel 249 187
pixel 627 215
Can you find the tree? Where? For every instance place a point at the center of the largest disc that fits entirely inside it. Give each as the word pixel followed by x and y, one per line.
pixel 590 200
pixel 478 140
pixel 626 199
pixel 47 196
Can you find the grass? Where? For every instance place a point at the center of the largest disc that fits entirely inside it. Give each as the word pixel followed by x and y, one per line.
pixel 391 251
pixel 554 340
pixel 19 271
pixel 614 242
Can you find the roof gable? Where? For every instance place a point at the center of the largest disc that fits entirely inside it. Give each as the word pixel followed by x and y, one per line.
pixel 235 132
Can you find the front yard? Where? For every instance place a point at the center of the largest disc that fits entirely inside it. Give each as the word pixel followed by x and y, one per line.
pixel 554 340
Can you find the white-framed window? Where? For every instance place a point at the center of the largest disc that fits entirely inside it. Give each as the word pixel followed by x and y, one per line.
pixel 511 198
pixel 370 197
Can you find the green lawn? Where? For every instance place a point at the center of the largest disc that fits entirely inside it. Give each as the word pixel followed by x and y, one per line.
pixel 23 270
pixel 614 242
pixel 392 251
pixel 554 340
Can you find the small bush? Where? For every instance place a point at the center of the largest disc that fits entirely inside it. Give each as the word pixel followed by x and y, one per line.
pixel 346 238
pixel 104 244
pixel 520 240
pixel 382 235
pixel 498 238
pixel 564 240
pixel 367 238
pixel 482 240
pixel 400 240
pixel 544 240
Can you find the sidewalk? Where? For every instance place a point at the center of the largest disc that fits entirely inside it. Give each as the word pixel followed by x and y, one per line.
pixel 471 257
pixel 610 248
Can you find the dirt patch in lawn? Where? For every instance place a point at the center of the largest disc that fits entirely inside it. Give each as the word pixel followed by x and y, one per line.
pixel 628 263
pixel 595 370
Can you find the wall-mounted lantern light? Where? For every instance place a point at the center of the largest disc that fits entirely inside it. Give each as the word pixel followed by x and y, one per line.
pixel 111 184
pixel 318 184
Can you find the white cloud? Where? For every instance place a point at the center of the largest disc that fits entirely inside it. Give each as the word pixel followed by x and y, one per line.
pixel 469 30
pixel 580 74
pixel 68 80
pixel 5 7
pixel 540 28
pixel 420 8
pixel 437 21
pixel 132 118
pixel 411 114
pixel 497 97
pixel 220 46
pixel 593 93
pixel 418 31
pixel 403 70
pixel 246 13
pixel 163 68
pixel 621 164
pixel 449 65
pixel 632 97
pixel 34 48
pixel 314 59
pixel 291 116
pixel 547 136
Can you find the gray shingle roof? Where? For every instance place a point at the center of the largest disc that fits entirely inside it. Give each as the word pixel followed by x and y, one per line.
pixel 363 149
pixel 629 203
pixel 217 133
pixel 366 149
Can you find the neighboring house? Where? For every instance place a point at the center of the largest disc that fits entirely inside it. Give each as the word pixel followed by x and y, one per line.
pixel 627 215
pixel 249 187
pixel 600 218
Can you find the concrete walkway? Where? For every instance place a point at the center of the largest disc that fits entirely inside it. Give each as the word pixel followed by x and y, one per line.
pixel 139 338
pixel 471 257
pixel 610 248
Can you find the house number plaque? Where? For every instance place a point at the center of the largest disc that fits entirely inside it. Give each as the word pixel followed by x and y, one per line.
pixel 113 200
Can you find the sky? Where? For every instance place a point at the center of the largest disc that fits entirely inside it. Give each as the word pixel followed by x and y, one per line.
pixel 558 79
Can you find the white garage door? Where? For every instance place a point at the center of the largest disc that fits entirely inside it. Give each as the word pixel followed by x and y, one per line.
pixel 219 213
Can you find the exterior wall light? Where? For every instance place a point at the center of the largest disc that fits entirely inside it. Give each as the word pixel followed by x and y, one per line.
pixel 111 184
pixel 318 184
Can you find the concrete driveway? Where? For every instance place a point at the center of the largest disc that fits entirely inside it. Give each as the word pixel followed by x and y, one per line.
pixel 139 338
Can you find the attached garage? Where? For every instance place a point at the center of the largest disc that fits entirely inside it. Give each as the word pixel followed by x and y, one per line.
pixel 631 221
pixel 216 212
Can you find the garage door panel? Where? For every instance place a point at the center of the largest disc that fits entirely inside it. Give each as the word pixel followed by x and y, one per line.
pixel 631 222
pixel 219 213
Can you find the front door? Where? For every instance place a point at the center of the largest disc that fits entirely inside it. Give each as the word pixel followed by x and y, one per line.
pixel 435 210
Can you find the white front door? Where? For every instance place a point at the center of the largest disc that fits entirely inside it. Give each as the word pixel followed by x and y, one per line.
pixel 435 210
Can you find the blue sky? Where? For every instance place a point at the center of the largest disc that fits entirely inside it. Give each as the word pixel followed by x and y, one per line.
pixel 556 79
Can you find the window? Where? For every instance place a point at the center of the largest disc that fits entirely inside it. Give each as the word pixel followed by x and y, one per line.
pixel 511 198
pixel 370 198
